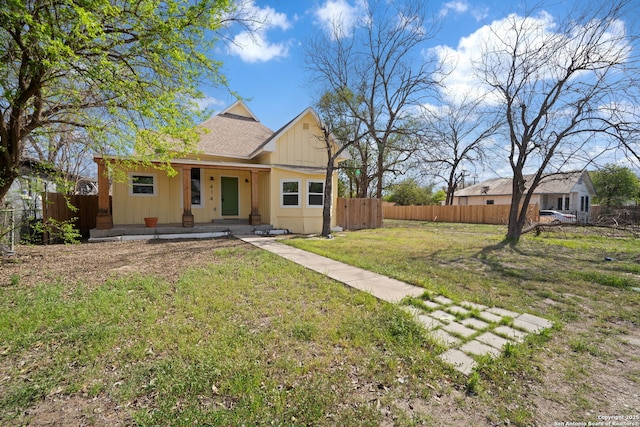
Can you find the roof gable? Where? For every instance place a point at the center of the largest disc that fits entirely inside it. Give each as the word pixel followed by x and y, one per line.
pixel 270 144
pixel 234 132
pixel 239 108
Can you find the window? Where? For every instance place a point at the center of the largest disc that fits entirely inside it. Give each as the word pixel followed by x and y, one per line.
pixel 196 186
pixel 143 185
pixel 315 193
pixel 566 203
pixel 559 203
pixel 463 200
pixel 586 203
pixel 290 193
pixel 490 202
pixel 582 203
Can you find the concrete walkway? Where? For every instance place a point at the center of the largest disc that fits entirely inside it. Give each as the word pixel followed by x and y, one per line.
pixel 466 329
pixel 379 286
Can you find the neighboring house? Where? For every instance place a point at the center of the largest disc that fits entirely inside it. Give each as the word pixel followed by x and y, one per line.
pixel 24 197
pixel 34 179
pixel 243 172
pixel 570 192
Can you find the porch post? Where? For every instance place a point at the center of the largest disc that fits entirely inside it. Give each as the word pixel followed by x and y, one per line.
pixel 254 218
pixel 187 216
pixel 104 220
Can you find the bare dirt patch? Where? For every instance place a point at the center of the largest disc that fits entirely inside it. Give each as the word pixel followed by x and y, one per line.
pixel 599 380
pixel 91 264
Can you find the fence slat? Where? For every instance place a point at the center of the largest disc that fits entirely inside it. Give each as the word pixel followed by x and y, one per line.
pixel 357 214
pixel 471 214
pixel 55 207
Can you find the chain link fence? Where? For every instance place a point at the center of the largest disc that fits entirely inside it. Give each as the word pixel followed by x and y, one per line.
pixel 7 231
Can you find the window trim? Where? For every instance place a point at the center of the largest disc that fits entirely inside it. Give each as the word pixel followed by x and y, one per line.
pixel 298 193
pixel 309 193
pixel 143 174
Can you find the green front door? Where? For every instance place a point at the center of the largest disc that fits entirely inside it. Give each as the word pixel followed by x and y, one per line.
pixel 229 193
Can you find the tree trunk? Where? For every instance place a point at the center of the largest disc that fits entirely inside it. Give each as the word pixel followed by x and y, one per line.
pixel 516 219
pixel 379 175
pixel 327 199
pixel 8 174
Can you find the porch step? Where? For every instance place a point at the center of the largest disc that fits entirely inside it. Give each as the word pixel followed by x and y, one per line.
pixel 175 231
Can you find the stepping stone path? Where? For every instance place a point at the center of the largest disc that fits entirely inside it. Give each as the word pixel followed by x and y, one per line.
pixel 471 337
pixel 465 338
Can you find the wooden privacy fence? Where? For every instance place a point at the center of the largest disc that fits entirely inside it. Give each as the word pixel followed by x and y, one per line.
pixel 471 214
pixel 55 207
pixel 357 214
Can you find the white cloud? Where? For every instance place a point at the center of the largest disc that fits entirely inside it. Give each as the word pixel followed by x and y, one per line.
pixel 338 17
pixel 460 62
pixel 209 102
pixel 253 45
pixel 479 13
pixel 456 6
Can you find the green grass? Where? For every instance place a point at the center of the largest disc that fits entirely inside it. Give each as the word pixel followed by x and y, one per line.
pixel 561 275
pixel 252 339
pixel 258 341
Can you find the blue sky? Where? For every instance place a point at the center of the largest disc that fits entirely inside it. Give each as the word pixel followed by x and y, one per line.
pixel 269 71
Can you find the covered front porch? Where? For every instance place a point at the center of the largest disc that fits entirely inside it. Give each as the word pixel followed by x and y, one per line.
pixel 202 196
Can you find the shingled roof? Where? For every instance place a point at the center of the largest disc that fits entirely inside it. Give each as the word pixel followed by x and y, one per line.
pixel 233 134
pixel 558 183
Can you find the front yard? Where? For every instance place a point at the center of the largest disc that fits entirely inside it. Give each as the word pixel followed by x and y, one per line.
pixel 217 332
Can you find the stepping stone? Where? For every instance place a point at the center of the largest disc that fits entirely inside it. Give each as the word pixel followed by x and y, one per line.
pixel 457 310
pixel 429 322
pixel 510 333
pixel 493 340
pixel 479 349
pixel 475 323
pixel 473 306
pixel 459 329
pixel 443 300
pixel 431 304
pixel 502 312
pixel 460 361
pixel 442 336
pixel 490 317
pixel 442 316
pixel 526 326
pixel 530 318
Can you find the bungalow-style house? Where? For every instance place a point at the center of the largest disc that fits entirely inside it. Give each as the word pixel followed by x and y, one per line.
pixel 244 173
pixel 570 192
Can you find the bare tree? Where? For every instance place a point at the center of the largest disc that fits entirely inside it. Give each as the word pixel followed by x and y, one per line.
pixel 340 131
pixel 555 86
pixel 380 62
pixel 66 151
pixel 455 136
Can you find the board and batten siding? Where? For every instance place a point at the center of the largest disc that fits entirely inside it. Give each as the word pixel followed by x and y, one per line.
pixel 301 145
pixel 302 219
pixel 165 204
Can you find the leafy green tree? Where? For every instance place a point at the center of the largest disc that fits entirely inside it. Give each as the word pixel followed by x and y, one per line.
pixel 122 71
pixel 615 185
pixel 409 192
